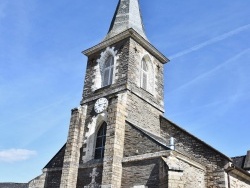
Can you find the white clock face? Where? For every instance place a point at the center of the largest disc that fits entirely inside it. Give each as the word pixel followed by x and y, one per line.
pixel 101 105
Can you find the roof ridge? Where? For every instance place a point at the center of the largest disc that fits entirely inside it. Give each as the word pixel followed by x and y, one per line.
pixel 238 156
pixel 225 156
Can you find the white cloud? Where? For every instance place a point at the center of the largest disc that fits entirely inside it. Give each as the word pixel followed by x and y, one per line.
pixel 15 155
pixel 211 41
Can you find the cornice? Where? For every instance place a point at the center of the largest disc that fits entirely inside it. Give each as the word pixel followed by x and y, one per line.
pixel 126 34
pixel 117 90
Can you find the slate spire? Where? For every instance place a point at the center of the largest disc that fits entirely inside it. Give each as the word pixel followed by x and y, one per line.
pixel 127 15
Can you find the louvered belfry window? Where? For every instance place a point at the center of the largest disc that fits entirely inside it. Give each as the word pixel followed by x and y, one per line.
pixel 108 71
pixel 100 141
pixel 144 74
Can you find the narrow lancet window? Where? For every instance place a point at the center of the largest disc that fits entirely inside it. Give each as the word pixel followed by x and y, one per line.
pixel 108 71
pixel 100 141
pixel 144 74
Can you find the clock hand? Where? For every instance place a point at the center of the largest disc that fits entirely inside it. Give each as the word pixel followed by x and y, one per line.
pixel 102 103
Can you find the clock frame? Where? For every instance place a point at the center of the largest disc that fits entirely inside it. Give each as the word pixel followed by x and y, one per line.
pixel 100 105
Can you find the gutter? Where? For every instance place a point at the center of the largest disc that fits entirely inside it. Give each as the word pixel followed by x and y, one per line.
pixel 237 171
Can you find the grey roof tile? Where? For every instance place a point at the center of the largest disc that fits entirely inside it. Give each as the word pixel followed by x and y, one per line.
pixel 247 161
pixel 127 15
pixel 239 161
pixel 13 185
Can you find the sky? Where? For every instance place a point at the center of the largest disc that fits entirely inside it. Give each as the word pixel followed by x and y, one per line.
pixel 207 82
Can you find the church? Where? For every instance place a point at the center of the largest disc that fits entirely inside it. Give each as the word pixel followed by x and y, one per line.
pixel 119 136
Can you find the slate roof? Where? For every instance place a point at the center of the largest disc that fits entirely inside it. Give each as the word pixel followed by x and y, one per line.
pixel 165 120
pixel 57 160
pixel 247 161
pixel 242 161
pixel 13 185
pixel 161 141
pixel 127 15
pixel 239 161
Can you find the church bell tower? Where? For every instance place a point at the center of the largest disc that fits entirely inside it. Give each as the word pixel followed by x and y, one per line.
pixel 119 137
pixel 123 85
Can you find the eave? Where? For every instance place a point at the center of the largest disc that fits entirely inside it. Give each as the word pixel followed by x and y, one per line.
pixel 126 34
pixel 239 172
pixel 196 138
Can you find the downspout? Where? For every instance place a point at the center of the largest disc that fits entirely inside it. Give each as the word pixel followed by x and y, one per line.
pixel 230 168
pixel 228 180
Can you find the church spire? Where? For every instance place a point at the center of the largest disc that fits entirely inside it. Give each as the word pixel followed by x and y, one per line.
pixel 127 15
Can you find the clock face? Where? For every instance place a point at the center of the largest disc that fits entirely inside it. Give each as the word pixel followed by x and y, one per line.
pixel 101 105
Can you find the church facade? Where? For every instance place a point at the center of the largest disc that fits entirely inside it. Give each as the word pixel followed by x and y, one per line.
pixel 119 137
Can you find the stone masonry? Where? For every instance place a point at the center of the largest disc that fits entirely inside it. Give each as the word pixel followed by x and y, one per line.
pixel 72 152
pixel 198 151
pixel 136 140
pixel 112 166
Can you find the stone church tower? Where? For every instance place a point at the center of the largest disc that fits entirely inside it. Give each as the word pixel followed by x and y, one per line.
pixel 118 137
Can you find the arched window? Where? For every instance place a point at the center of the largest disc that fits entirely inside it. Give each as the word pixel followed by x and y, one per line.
pixel 108 71
pixel 144 74
pixel 100 141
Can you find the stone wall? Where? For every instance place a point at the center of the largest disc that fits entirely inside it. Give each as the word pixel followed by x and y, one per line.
pixel 128 57
pixel 38 182
pixel 89 135
pixel 114 116
pixel 143 162
pixel 192 176
pixel 89 176
pixel 159 172
pixel 197 151
pixel 120 73
pixel 72 150
pixel 112 166
pixel 145 172
pixel 137 143
pixel 238 182
pixel 53 179
pixel 144 107
pixel 136 54
pixel 132 103
pixel 143 114
pixel 13 185
pixel 55 165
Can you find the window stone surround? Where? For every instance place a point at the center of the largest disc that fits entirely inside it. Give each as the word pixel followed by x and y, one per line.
pixel 90 136
pixel 98 69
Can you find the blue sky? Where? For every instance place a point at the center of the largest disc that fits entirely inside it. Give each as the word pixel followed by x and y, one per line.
pixel 207 82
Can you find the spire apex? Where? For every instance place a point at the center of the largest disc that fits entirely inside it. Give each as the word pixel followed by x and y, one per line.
pixel 127 15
